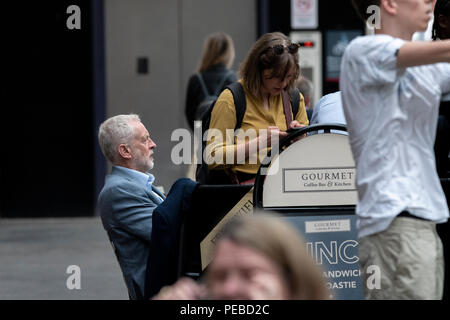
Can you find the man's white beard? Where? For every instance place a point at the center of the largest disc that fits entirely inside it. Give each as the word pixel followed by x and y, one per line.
pixel 152 164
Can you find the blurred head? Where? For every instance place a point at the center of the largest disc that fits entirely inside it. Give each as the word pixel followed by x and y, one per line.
pixel 441 25
pixel 272 65
pixel 125 141
pixel 218 48
pixel 410 15
pixel 305 86
pixel 263 257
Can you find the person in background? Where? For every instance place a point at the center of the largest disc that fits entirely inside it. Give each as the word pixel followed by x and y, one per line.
pixel 306 88
pixel 258 257
pixel 267 74
pixel 329 110
pixel 213 73
pixel 128 198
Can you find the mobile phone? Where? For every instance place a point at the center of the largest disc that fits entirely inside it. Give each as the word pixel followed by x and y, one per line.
pixel 289 131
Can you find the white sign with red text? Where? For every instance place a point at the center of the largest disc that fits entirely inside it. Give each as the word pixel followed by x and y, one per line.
pixel 304 14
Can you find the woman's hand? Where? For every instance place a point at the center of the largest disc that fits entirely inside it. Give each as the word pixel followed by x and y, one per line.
pixel 296 124
pixel 266 286
pixel 272 133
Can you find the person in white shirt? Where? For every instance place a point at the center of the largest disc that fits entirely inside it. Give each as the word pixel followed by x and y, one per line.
pixel 329 110
pixel 391 91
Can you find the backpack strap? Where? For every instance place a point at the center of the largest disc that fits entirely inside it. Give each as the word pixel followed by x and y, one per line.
pixel 240 102
pixel 294 97
pixel 222 82
pixel 202 84
pixel 286 108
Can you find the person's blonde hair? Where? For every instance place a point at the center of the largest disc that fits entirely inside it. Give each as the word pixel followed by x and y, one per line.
pixel 281 243
pixel 218 48
pixel 260 58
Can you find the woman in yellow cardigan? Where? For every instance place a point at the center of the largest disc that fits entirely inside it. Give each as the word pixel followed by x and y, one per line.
pixel 271 66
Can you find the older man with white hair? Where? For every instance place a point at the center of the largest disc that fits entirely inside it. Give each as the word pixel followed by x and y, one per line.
pixel 128 198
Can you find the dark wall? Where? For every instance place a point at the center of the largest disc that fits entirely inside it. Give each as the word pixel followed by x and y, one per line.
pixel 275 15
pixel 47 112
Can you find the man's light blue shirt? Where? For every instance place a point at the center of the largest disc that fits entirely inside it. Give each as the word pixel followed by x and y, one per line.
pixel 329 110
pixel 146 179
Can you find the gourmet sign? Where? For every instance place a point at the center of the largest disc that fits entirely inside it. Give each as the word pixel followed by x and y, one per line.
pixel 319 179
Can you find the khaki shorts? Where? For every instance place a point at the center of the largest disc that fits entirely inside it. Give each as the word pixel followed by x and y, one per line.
pixel 409 258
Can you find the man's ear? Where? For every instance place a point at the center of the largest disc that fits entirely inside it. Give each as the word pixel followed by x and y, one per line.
pixel 390 6
pixel 124 151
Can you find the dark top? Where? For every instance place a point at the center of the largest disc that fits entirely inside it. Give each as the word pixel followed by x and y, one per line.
pixel 212 78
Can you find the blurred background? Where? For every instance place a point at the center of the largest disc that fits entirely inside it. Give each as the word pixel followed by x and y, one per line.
pixel 128 56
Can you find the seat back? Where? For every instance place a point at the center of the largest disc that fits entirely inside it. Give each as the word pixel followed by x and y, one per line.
pixel 210 203
pixel 116 253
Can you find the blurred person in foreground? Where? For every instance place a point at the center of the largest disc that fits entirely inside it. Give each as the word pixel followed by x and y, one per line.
pixel 258 257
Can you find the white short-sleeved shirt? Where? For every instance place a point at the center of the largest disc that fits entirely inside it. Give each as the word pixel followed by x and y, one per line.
pixel 392 118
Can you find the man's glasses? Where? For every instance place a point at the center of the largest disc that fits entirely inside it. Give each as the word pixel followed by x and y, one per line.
pixel 279 49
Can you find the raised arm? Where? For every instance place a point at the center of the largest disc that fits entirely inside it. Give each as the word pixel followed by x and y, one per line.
pixel 421 53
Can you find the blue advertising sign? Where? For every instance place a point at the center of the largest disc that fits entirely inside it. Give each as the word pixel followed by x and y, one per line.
pixel 335 45
pixel 332 241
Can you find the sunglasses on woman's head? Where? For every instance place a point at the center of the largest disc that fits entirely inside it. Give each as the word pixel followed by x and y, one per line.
pixel 279 48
